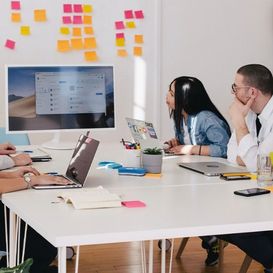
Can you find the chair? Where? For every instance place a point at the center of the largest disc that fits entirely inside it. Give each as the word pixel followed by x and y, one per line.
pixel 15 139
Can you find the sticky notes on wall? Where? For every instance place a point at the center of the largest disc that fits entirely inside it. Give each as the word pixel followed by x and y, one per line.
pixel 122 53
pixel 128 14
pixel 91 56
pixel 40 15
pixel 64 30
pixel 63 45
pixel 15 17
pixel 139 14
pixel 10 44
pixel 119 25
pixel 87 8
pixel 15 5
pixel 25 30
pixel 138 39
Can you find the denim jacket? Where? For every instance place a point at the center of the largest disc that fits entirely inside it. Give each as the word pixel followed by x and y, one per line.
pixel 206 128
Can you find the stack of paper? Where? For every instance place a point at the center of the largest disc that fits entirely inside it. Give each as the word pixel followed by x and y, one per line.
pixel 91 198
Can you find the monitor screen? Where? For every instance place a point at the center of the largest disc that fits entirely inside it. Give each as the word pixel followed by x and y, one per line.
pixel 59 97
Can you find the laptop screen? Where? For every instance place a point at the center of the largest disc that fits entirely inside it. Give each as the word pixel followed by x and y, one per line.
pixel 82 158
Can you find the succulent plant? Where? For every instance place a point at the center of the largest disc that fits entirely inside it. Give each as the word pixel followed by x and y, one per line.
pixel 153 151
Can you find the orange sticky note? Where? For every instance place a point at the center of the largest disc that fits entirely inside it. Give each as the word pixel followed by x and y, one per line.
pixel 122 53
pixel 138 39
pixel 77 43
pixel 137 51
pixel 77 31
pixel 120 42
pixel 16 17
pixel 91 56
pixel 40 15
pixel 90 43
pixel 88 30
pixel 25 30
pixel 153 175
pixel 87 8
pixel 130 24
pixel 64 30
pixel 63 45
pixel 87 20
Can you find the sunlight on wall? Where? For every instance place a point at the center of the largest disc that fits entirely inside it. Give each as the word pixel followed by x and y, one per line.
pixel 139 111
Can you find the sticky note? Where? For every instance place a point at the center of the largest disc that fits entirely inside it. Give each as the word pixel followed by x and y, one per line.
pixel 153 175
pixel 87 20
pixel 138 39
pixel 15 5
pixel 16 17
pixel 90 43
pixel 10 44
pixel 139 14
pixel 63 45
pixel 122 53
pixel 77 8
pixel 130 24
pixel 67 20
pixel 87 8
pixel 65 30
pixel 25 30
pixel 120 42
pixel 128 14
pixel 119 25
pixel 88 30
pixel 77 43
pixel 40 15
pixel 77 19
pixel 119 35
pixel 91 56
pixel 67 8
pixel 77 31
pixel 133 204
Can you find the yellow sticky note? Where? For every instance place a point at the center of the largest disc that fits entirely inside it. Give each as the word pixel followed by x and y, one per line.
pixel 120 42
pixel 88 30
pixel 122 53
pixel 40 15
pixel 77 43
pixel 90 43
pixel 25 30
pixel 64 30
pixel 87 8
pixel 139 39
pixel 63 45
pixel 16 17
pixel 153 175
pixel 130 24
pixel 91 56
pixel 87 20
pixel 77 31
pixel 137 51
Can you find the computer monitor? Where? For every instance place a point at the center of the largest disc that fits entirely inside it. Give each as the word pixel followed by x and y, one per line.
pixel 59 97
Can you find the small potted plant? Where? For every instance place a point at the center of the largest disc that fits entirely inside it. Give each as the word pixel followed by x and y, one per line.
pixel 152 160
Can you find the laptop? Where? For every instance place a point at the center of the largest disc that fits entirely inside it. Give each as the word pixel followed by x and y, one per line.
pixel 211 168
pixel 79 164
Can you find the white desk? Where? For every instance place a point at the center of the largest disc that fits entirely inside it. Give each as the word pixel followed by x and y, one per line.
pixel 207 206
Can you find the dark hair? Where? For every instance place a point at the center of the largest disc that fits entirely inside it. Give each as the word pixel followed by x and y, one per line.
pixel 258 76
pixel 191 96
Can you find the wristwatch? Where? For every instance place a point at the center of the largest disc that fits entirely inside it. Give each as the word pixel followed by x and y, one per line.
pixel 27 180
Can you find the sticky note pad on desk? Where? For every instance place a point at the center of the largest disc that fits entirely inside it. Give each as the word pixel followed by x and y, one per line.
pixel 133 204
pixel 153 175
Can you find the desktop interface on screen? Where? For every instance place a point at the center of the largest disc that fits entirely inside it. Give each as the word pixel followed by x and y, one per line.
pixel 60 97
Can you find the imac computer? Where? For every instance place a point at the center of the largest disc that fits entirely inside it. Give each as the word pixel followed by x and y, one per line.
pixel 52 98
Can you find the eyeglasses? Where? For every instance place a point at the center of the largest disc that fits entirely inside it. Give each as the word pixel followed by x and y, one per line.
pixel 235 88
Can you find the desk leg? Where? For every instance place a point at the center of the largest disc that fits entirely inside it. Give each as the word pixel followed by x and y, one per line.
pixel 12 239
pixel 163 256
pixel 151 257
pixel 62 259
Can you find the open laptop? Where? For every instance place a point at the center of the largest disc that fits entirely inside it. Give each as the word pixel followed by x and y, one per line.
pixel 79 164
pixel 211 168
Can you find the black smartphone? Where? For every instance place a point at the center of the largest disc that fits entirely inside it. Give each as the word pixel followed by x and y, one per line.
pixel 252 192
pixel 234 177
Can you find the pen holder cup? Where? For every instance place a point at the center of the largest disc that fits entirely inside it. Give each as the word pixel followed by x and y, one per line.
pixel 131 158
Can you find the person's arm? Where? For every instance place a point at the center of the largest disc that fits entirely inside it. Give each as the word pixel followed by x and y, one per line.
pixel 6 162
pixel 7 148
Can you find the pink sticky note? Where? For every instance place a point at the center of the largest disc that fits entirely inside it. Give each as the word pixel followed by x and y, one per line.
pixel 15 5
pixel 119 25
pixel 133 204
pixel 77 19
pixel 139 14
pixel 10 44
pixel 128 14
pixel 67 8
pixel 77 8
pixel 119 35
pixel 67 20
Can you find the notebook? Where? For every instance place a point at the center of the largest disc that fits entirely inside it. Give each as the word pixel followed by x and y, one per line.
pixel 212 168
pixel 79 164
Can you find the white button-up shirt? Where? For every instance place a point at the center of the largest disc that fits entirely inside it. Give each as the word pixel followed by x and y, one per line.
pixel 251 145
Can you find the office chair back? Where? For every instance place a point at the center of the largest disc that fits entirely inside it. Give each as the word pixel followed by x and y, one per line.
pixel 15 139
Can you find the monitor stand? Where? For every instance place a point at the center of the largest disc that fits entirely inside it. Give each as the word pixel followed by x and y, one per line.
pixel 56 144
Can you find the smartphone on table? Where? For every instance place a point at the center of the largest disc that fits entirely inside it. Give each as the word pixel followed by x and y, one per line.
pixel 251 192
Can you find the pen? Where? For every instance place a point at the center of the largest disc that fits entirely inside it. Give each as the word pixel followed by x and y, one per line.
pixel 52 173
pixel 27 151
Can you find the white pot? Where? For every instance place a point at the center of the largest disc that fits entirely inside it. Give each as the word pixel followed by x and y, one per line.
pixel 152 163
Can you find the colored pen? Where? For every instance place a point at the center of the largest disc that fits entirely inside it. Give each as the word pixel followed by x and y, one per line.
pixel 27 151
pixel 52 173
